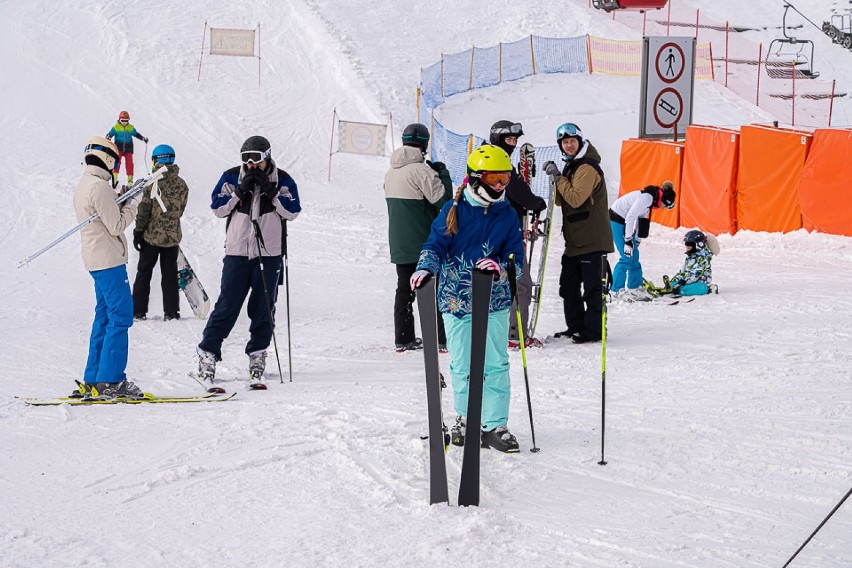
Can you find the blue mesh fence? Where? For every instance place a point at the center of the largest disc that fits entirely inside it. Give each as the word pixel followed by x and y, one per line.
pixel 552 55
pixel 517 60
pixel 560 55
pixel 486 66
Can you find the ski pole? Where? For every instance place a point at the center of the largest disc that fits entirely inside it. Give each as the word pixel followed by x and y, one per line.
pixel 845 497
pixel 259 240
pixel 603 354
pixel 134 189
pixel 513 285
pixel 287 293
pixel 145 158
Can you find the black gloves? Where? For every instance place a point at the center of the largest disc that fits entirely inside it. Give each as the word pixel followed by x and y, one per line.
pixel 251 178
pixel 138 241
pixel 270 190
pixel 540 206
pixel 145 139
pixel 437 166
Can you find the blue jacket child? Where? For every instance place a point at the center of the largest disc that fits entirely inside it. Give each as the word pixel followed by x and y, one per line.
pixel 478 229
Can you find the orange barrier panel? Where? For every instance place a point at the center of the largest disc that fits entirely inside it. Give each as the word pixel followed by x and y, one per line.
pixel 708 196
pixel 824 186
pixel 771 161
pixel 651 162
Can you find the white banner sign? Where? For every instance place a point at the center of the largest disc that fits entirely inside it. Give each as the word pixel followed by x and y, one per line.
pixel 232 42
pixel 361 137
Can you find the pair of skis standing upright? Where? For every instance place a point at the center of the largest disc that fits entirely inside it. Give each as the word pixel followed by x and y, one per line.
pixel 481 300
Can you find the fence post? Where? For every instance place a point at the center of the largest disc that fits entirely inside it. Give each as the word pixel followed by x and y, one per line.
pixel 500 63
pixel 793 98
pixel 532 54
pixel 417 99
pixel 472 52
pixel 712 64
pixel 668 18
pixel 727 43
pixel 697 10
pixel 589 52
pixel 759 62
pixel 831 102
pixel 442 75
pixel 644 21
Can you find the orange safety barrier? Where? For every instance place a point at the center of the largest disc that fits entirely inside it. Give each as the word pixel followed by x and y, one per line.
pixel 708 188
pixel 651 162
pixel 770 164
pixel 824 186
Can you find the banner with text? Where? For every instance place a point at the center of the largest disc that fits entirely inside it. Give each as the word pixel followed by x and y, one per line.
pixel 239 43
pixel 361 137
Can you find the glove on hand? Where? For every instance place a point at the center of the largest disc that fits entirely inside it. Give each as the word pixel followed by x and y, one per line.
pixel 251 179
pixel 628 248
pixel 145 139
pixel 419 278
pixel 271 190
pixel 540 206
pixel 489 265
pixel 138 241
pixel 551 169
pixel 437 166
pixel 135 200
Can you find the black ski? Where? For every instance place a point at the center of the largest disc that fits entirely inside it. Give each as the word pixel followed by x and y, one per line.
pixel 481 300
pixel 426 305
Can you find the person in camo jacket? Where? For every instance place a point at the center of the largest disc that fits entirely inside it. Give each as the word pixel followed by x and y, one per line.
pixel 157 235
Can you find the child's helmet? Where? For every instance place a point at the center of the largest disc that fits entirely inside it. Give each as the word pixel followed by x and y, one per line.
pixel 163 154
pixel 416 135
pixel 695 240
pixel 124 115
pixel 100 150
pixel 489 166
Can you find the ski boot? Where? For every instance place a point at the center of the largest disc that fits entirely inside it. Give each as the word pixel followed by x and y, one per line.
pixel 207 370
pixel 410 346
pixel 458 431
pixel 501 440
pixel 107 391
pixel 257 365
pixel 82 390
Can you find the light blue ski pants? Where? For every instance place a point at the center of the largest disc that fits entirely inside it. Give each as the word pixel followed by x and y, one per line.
pixel 496 390
pixel 627 268
pixel 113 317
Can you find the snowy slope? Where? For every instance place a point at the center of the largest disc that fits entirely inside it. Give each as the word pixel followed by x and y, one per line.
pixel 728 427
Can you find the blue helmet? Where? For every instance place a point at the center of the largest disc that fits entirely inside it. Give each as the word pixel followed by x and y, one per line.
pixel 163 154
pixel 569 130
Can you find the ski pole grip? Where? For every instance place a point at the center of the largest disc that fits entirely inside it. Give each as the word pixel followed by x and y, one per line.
pixel 513 285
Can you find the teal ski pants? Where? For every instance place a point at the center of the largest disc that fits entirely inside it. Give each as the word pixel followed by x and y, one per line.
pixel 496 390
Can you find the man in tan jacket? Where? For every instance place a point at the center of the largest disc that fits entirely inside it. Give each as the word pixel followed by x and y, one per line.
pixel 105 256
pixel 581 192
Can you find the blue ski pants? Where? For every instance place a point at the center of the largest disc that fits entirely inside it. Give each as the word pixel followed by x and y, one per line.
pixel 113 317
pixel 242 277
pixel 496 390
pixel 627 268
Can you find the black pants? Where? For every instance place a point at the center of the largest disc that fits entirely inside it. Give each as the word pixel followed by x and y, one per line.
pixel 169 282
pixel 403 311
pixel 241 277
pixel 581 288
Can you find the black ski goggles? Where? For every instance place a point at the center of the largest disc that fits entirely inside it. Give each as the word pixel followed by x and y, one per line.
pixel 513 130
pixel 255 157
pixel 105 149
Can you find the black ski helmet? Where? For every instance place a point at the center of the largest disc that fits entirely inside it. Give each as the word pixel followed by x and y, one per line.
pixel 255 147
pixel 502 129
pixel 695 240
pixel 416 135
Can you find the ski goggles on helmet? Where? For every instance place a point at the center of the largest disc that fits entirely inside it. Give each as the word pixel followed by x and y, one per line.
pixel 513 130
pixel 495 180
pixel 255 156
pixel 105 149
pixel 567 130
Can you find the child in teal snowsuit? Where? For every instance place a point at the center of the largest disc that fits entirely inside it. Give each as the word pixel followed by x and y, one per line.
pixel 695 278
pixel 478 229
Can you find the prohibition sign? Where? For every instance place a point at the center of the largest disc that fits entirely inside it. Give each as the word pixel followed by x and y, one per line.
pixel 667 107
pixel 670 60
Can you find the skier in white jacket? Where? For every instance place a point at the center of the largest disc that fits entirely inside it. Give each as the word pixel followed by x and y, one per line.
pixel 630 218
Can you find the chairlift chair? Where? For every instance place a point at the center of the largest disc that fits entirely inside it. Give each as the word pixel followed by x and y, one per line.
pixel 800 53
pixel 640 5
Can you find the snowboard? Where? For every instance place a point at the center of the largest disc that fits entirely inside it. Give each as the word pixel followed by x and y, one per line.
pixel 426 305
pixel 191 286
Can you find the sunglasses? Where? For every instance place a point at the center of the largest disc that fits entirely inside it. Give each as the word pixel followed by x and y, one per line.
pixel 515 129
pixel 495 180
pixel 255 157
